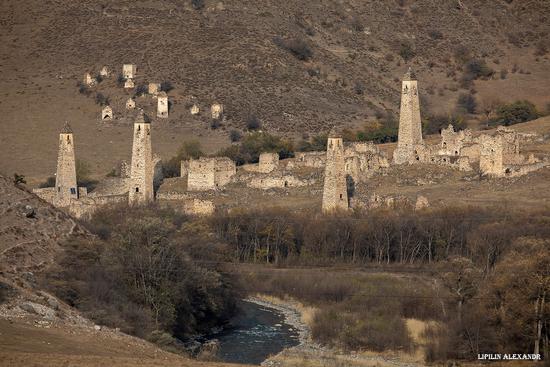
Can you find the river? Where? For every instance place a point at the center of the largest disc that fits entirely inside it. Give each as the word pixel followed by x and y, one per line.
pixel 257 332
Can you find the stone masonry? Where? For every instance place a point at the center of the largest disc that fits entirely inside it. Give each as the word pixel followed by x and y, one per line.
pixel 162 105
pixel 209 173
pixel 65 178
pixel 335 195
pixel 129 71
pixel 141 171
pixel 410 126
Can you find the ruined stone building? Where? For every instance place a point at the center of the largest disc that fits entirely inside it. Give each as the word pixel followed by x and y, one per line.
pixel 362 160
pixel 153 89
pixel 162 105
pixel 209 173
pixel 335 194
pixel 410 125
pixel 128 71
pixel 106 113
pixel 105 72
pixel 130 104
pixel 141 171
pixel 216 111
pixel 129 84
pixel 89 80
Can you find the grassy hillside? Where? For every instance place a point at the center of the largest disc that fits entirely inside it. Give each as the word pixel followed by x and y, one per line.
pixel 299 67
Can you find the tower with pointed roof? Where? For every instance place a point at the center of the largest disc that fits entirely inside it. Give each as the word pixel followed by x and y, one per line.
pixel 66 187
pixel 335 194
pixel 410 125
pixel 141 169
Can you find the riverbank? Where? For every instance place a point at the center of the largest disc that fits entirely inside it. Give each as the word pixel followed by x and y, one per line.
pixel 311 354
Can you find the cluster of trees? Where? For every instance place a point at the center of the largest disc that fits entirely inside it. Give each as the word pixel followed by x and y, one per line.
pixel 138 276
pixel 494 264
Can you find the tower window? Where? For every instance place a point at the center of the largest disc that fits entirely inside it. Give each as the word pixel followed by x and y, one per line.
pixel 73 191
pixel 340 196
pixel 137 189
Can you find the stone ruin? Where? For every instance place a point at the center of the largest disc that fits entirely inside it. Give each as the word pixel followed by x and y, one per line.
pixel 208 173
pixel 216 111
pixel 410 125
pixel 162 105
pixel 153 89
pixel 129 84
pixel 106 113
pixel 335 193
pixel 134 184
pixel 66 188
pixel 105 72
pixel 141 170
pixel 128 71
pixel 130 104
pixel 496 156
pixel 89 80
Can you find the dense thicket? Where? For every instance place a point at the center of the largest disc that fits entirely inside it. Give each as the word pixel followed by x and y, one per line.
pixel 493 264
pixel 139 277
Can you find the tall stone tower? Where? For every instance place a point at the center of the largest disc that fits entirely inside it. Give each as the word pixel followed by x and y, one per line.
pixel 410 125
pixel 335 194
pixel 141 170
pixel 65 179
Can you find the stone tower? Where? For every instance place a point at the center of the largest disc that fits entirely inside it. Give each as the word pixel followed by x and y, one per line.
pixel 66 188
pixel 335 194
pixel 162 105
pixel 141 170
pixel 410 125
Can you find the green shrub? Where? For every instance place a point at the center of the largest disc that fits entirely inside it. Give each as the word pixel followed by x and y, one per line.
pixel 248 151
pixel 314 144
pixel 466 103
pixel 435 123
pixel 514 113
pixel 406 51
pixel 189 150
pixel 296 46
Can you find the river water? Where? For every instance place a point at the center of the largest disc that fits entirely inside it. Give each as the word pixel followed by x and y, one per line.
pixel 257 333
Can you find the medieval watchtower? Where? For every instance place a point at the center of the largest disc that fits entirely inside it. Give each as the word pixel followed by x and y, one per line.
pixel 410 126
pixel 141 170
pixel 65 179
pixel 335 194
pixel 162 105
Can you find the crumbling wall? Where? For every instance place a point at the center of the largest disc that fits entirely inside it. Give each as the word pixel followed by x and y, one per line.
pixel 279 181
pixel 210 173
pixel 268 162
pixel 310 159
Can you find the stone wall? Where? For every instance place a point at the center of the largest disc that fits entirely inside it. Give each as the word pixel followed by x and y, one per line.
pixel 210 173
pixel 279 181
pixel 268 162
pixel 128 71
pixel 310 159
